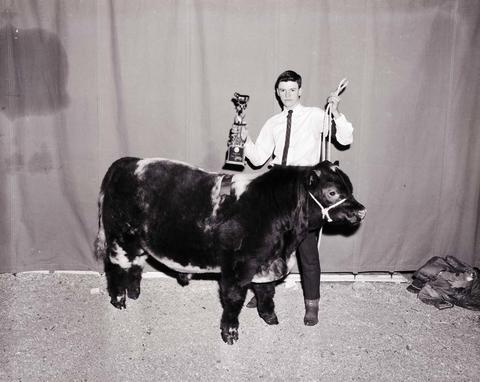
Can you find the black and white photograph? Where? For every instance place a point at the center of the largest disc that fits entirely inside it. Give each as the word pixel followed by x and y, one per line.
pixel 240 190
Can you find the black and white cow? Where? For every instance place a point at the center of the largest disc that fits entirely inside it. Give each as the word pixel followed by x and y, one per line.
pixel 245 226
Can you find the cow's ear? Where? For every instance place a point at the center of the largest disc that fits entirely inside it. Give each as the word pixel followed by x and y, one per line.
pixel 336 163
pixel 314 176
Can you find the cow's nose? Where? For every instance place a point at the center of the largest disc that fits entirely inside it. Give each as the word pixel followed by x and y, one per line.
pixel 361 214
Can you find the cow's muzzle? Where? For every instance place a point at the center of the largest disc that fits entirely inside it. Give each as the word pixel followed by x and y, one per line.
pixel 357 216
pixel 361 214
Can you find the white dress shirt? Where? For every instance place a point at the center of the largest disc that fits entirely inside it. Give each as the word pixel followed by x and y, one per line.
pixel 305 137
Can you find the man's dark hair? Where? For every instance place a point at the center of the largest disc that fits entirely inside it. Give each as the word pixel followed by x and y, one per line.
pixel 289 75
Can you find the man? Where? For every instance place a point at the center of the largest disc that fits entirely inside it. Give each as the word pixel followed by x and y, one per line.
pixel 293 138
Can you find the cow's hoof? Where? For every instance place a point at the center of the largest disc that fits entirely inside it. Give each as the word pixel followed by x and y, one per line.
pixel 230 335
pixel 310 322
pixel 119 302
pixel 133 293
pixel 269 318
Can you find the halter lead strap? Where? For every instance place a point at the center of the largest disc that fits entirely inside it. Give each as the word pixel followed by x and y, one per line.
pixel 327 120
pixel 326 209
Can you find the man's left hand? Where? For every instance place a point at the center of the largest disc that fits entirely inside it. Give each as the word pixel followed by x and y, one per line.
pixel 333 99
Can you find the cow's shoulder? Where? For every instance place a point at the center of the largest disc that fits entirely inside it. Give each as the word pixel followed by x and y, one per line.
pixel 277 179
pixel 264 202
pixel 278 184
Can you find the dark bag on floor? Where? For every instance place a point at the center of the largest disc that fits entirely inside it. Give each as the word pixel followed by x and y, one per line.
pixel 445 282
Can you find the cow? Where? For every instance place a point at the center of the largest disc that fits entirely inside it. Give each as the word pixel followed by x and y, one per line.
pixel 244 226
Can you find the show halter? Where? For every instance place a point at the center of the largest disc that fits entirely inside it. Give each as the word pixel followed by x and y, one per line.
pixel 326 148
pixel 326 209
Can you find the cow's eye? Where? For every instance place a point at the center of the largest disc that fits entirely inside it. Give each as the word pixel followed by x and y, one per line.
pixel 332 193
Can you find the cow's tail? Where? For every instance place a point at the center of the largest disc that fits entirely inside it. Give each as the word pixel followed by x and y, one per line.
pixel 100 244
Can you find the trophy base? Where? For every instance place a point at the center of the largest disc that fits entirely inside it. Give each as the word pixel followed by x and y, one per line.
pixel 235 164
pixel 235 156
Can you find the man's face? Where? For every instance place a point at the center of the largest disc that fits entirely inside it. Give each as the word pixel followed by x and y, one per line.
pixel 289 93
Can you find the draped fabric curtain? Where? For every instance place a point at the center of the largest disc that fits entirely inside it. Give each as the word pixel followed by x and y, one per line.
pixel 84 82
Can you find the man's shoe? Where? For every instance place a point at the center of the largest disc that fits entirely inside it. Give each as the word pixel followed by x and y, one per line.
pixel 311 312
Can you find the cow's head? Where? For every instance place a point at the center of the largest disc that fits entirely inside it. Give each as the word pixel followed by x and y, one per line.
pixel 330 195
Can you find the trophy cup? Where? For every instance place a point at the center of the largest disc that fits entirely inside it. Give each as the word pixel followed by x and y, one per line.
pixel 235 152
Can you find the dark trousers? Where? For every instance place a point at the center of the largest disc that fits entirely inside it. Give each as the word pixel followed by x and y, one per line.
pixel 309 266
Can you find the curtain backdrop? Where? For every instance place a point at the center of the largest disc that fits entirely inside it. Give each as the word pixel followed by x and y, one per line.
pixel 84 82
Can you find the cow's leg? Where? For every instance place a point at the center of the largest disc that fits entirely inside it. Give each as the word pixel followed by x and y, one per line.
pixel 124 273
pixel 233 296
pixel 117 281
pixel 135 275
pixel 265 306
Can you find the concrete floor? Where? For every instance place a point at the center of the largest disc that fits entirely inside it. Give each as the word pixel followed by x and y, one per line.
pixel 61 327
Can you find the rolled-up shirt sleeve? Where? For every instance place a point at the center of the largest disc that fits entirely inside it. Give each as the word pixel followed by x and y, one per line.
pixel 344 134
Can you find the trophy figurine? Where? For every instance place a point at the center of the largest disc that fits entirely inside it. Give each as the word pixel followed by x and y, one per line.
pixel 235 152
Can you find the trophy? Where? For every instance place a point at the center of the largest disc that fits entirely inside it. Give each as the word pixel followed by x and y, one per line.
pixel 235 152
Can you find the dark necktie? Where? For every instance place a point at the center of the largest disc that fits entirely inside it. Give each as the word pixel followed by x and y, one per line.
pixel 287 138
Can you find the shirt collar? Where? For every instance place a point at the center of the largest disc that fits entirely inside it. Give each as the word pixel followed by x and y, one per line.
pixel 296 109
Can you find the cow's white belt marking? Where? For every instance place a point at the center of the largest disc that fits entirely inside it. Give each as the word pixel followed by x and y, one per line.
pixel 142 165
pixel 189 268
pixel 215 195
pixel 326 209
pixel 240 183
